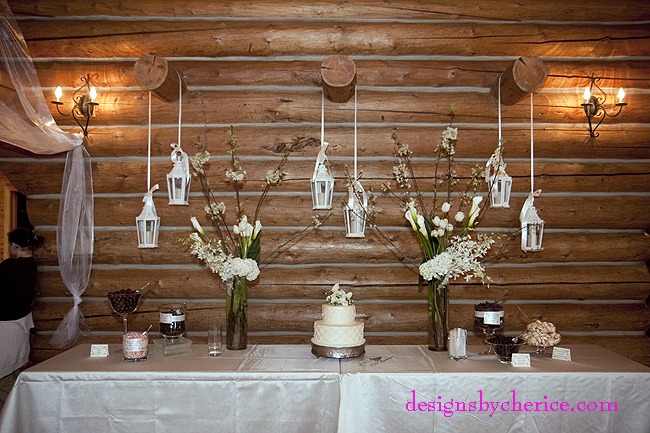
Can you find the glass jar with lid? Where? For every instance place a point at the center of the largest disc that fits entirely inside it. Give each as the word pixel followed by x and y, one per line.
pixel 172 321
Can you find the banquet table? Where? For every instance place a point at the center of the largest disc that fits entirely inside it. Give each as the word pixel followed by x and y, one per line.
pixel 284 388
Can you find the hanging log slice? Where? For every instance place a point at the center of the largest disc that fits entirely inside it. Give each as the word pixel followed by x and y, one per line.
pixel 155 74
pixel 526 75
pixel 339 76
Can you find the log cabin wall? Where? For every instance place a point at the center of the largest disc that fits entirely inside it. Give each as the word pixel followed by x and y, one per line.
pixel 256 65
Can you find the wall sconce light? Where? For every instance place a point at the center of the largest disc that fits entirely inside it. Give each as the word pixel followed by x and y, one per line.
pixel 84 103
pixel 148 222
pixel 322 182
pixel 594 105
pixel 179 179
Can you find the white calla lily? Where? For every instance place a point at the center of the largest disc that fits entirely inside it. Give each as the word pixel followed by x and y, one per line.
pixel 197 226
pixel 258 227
pixel 412 215
pixel 474 211
pixel 422 226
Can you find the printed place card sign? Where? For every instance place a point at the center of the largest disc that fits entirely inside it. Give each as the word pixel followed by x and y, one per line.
pixel 562 354
pixel 99 350
pixel 521 359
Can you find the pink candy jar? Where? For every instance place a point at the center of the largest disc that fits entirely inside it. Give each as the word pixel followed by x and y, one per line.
pixel 135 345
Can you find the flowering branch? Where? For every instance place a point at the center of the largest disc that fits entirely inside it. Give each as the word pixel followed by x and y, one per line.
pixel 236 252
pixel 448 248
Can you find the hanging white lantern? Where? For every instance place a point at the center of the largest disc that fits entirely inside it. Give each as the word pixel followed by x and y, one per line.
pixel 179 179
pixel 322 182
pixel 532 226
pixel 148 222
pixel 354 211
pixel 499 183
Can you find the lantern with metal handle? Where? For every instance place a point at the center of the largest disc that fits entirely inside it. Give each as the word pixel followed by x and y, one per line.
pixel 179 179
pixel 532 226
pixel 148 222
pixel 322 182
pixel 499 183
pixel 355 210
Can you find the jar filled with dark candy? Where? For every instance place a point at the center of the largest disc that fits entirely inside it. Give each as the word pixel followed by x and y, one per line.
pixel 488 316
pixel 172 321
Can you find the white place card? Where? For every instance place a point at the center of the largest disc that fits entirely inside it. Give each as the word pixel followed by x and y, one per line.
pixel 561 354
pixel 99 350
pixel 521 359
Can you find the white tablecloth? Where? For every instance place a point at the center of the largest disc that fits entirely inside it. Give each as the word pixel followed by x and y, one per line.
pixel 374 398
pixel 260 389
pixel 284 388
pixel 14 341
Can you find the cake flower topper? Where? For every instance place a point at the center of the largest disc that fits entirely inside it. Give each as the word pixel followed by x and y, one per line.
pixel 337 296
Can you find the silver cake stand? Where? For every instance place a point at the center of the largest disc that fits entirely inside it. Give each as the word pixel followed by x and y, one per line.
pixel 338 352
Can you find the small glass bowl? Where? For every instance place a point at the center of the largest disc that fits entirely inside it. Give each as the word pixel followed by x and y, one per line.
pixel 503 346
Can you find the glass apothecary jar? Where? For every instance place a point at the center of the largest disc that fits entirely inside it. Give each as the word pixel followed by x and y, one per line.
pixel 172 321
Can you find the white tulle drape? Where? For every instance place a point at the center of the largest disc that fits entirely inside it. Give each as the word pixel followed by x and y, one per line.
pixel 26 122
pixel 74 241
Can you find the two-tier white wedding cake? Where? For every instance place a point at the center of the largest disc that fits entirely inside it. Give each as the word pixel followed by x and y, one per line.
pixel 338 327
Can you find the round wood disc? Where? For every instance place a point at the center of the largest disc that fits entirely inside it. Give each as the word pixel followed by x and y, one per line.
pixel 339 76
pixel 526 75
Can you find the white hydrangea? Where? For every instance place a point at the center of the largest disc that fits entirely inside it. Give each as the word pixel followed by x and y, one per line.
pixel 238 267
pixel 461 258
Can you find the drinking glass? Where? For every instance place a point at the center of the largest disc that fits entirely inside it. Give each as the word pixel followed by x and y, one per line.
pixel 214 340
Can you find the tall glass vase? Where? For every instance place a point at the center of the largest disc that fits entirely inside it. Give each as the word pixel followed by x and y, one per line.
pixel 438 300
pixel 236 314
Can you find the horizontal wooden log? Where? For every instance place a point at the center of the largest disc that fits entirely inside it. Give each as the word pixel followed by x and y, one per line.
pixel 406 9
pixel 128 177
pixel 330 246
pixel 433 73
pixel 576 212
pixel 615 141
pixel 374 106
pixel 402 317
pixel 391 282
pixel 131 38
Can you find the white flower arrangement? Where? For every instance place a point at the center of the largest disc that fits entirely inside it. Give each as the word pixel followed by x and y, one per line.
pixel 336 296
pixel 236 250
pixel 448 247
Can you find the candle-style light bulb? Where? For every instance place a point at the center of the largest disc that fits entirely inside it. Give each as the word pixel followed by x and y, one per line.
pixel 92 94
pixel 587 95
pixel 58 93
pixel 621 95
